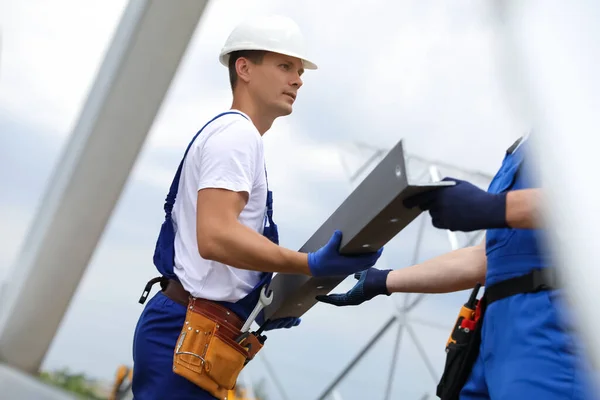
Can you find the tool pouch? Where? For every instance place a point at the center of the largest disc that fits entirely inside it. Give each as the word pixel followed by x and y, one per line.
pixel 460 358
pixel 207 354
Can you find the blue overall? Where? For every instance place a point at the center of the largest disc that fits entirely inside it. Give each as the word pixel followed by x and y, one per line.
pixel 160 323
pixel 527 350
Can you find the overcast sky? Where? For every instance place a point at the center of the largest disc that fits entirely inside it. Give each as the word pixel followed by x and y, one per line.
pixel 422 71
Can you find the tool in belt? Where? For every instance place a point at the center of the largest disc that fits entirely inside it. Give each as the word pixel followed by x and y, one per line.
pixel 462 347
pixel 214 344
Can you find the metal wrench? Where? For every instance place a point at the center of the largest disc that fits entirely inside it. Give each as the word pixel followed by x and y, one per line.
pixel 263 301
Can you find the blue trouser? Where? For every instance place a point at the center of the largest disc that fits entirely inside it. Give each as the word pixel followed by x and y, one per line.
pixel 527 352
pixel 154 342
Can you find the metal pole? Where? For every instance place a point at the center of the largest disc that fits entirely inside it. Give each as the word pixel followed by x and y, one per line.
pixel 394 361
pixel 366 164
pixel 475 239
pixel 421 350
pixel 444 165
pixel 430 324
pixel 335 395
pixel 273 376
pixel 415 302
pixel 358 357
pixel 129 89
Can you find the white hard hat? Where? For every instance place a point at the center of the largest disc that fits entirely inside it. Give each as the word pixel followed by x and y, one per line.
pixel 273 33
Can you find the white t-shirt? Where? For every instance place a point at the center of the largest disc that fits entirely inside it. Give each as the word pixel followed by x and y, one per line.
pixel 227 154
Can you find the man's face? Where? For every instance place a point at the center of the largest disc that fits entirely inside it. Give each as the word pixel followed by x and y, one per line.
pixel 275 82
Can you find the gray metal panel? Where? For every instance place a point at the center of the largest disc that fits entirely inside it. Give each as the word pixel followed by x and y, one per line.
pixel 129 89
pixel 369 218
pixel 19 386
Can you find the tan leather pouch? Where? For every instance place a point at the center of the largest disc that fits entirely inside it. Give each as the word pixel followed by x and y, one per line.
pixel 206 354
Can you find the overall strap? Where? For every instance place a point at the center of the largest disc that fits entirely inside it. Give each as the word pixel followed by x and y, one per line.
pixel 170 200
pixel 269 227
pixel 164 251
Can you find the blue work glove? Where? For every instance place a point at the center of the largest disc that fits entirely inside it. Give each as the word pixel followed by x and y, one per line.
pixel 280 323
pixel 327 261
pixel 462 207
pixel 371 283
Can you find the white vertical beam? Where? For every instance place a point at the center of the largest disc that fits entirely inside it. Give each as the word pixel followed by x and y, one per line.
pixel 120 109
pixel 549 50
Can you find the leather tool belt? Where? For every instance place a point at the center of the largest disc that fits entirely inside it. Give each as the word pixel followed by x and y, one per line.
pixel 211 350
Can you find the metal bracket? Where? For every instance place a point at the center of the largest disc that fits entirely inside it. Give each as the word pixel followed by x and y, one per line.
pixel 369 218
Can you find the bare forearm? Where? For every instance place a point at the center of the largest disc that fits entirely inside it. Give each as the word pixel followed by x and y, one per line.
pixel 458 270
pixel 241 247
pixel 523 208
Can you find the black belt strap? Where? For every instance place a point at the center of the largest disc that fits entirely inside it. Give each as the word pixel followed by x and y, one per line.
pixel 536 280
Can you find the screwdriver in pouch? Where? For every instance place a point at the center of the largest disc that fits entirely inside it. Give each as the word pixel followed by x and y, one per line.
pixel 467 311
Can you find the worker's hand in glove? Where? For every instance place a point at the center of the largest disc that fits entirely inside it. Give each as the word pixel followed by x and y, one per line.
pixel 280 323
pixel 371 283
pixel 462 207
pixel 327 261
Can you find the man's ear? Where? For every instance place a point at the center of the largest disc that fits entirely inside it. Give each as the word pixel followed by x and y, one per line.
pixel 243 67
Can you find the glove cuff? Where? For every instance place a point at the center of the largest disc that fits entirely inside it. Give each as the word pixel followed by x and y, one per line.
pixel 376 283
pixel 497 211
pixel 312 264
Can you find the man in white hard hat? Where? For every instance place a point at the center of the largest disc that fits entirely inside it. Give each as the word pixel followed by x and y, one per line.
pixel 218 246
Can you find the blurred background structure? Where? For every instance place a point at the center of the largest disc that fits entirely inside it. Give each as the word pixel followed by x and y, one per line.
pixel 99 99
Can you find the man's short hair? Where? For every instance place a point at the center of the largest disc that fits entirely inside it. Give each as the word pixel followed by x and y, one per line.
pixel 255 57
